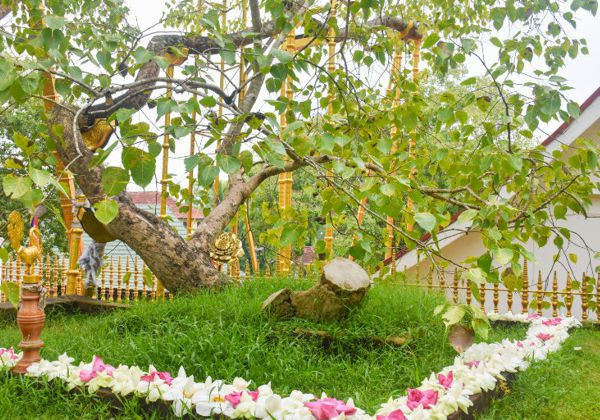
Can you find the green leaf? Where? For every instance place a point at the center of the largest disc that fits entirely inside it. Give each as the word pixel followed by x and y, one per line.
pixel 288 235
pixel 148 277
pixel 431 40
pixel 54 22
pixel 16 186
pixel 503 255
pixel 11 291
pixel 467 216
pixel 573 109
pixel 208 175
pixel 573 258
pixel 282 56
pixel 3 254
pixel 454 315
pixel 124 114
pixel 142 55
pixel 560 211
pixel 141 164
pixel 114 180
pixel 426 221
pixel 106 210
pixel 481 328
pixel 229 164
pixel 126 277
pixel 40 177
pixel 247 160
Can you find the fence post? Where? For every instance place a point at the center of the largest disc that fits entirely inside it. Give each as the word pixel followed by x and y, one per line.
pixel 554 295
pixel 455 286
pixel 442 282
pixel 136 278
pixel 569 295
pixel 584 300
pixel 495 298
pixel 468 292
pixel 482 291
pixel 540 295
pixel 525 289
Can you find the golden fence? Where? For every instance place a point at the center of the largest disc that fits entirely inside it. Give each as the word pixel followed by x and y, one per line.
pixel 548 294
pixel 121 279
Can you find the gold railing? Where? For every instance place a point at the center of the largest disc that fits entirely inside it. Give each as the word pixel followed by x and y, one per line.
pixel 121 279
pixel 550 294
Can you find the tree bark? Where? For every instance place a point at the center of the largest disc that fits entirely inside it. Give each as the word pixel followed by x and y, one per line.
pixel 179 265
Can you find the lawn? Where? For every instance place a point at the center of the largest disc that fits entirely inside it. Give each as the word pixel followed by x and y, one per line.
pixel 224 335
pixel 565 386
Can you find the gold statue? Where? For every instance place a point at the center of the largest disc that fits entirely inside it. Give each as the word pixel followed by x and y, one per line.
pixel 30 254
pixel 226 247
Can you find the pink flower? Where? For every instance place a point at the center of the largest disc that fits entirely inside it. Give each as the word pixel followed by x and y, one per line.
pixel 236 397
pixel 394 415
pixel 520 344
pixel 417 397
pixel 446 381
pixel 328 408
pixel 552 322
pixel 10 352
pixel 544 336
pixel 532 316
pixel 164 376
pixel 87 375
pixel 473 363
pixel 98 366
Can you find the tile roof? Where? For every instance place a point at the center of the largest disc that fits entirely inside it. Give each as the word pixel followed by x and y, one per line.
pixel 153 198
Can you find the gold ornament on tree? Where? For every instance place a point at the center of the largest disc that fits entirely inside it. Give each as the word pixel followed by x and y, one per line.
pixel 226 247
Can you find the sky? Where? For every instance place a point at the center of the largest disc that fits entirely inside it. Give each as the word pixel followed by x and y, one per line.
pixel 583 73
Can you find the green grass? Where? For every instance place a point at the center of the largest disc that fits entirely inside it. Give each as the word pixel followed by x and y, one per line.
pixel 565 386
pixel 224 335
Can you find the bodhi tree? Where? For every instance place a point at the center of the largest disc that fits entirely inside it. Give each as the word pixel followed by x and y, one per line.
pixel 413 155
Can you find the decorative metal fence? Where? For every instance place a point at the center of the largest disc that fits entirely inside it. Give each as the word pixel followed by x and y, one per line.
pixel 121 279
pixel 549 294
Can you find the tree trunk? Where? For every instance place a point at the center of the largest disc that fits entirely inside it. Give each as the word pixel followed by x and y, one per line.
pixel 179 265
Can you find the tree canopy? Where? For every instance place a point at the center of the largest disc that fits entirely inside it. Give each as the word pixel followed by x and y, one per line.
pixel 468 146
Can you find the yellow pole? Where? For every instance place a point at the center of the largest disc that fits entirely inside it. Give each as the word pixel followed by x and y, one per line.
pixel 222 86
pixel 165 149
pixel 413 138
pixel 191 176
pixel 73 272
pixel 331 69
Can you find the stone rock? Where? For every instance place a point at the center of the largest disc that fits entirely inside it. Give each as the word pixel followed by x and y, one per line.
pixel 279 304
pixel 343 286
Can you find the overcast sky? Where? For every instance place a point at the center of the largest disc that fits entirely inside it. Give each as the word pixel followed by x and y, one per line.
pixel 582 73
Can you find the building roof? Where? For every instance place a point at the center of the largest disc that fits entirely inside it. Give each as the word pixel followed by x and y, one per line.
pixel 152 198
pixel 548 143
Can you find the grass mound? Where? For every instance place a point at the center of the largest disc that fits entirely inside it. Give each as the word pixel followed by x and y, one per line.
pixel 224 334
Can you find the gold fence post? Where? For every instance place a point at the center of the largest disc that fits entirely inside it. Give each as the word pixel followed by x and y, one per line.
pixel 442 282
pixel 569 295
pixel 455 286
pixel 554 295
pixel 584 298
pixel 495 297
pixel 136 278
pixel 525 289
pixel 482 292
pixel 540 295
pixel 430 280
pixel 468 292
pixel 76 232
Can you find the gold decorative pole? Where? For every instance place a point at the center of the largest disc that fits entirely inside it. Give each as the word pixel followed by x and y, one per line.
pixel 584 298
pixel 525 289
pixel 540 294
pixel 554 295
pixel 468 292
pixel 73 272
pixel 165 149
pixel 495 297
pixel 482 296
pixel 251 246
pixel 191 177
pixel 331 68
pixel 412 144
pixel 455 286
pixel 30 316
pixel 569 295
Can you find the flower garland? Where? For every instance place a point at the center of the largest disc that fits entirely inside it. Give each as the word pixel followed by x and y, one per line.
pixel 476 370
